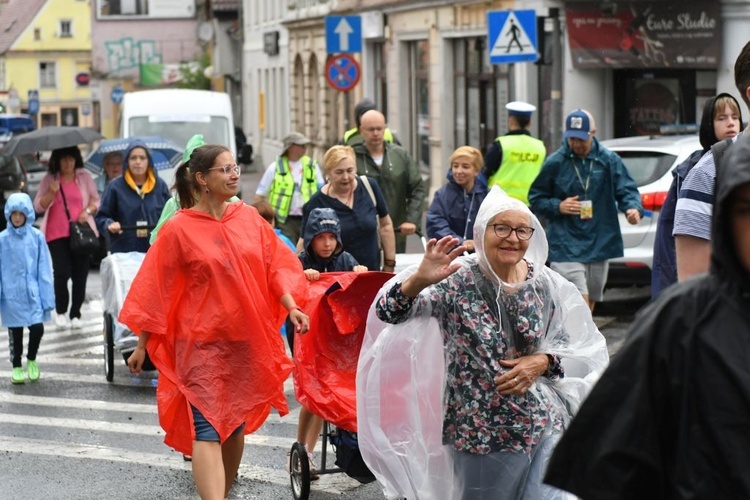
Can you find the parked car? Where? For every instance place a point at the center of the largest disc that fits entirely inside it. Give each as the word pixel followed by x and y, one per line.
pixel 35 171
pixel 12 180
pixel 650 160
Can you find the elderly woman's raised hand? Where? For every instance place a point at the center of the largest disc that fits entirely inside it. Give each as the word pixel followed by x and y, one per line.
pixel 437 264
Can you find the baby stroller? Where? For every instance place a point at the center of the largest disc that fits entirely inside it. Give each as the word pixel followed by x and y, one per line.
pixel 117 272
pixel 325 372
pixel 348 460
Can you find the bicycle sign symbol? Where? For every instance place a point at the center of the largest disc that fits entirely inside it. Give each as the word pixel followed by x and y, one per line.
pixel 342 72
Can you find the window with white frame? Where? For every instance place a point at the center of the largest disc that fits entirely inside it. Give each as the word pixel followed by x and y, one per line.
pixel 47 75
pixel 65 28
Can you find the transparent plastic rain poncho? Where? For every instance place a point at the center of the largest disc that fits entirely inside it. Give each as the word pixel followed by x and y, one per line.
pixel 409 374
pixel 117 272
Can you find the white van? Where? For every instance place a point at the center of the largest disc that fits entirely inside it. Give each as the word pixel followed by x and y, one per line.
pixel 178 114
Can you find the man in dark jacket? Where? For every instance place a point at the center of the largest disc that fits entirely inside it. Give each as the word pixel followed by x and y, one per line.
pixel 134 199
pixel 670 417
pixel 579 191
pixel 397 174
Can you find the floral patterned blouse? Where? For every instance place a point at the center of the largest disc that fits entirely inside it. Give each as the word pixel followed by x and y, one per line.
pixel 478 419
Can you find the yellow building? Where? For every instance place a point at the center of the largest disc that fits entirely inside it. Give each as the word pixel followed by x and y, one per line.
pixel 45 46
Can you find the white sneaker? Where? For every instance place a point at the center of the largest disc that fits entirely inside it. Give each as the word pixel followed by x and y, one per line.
pixel 60 321
pixel 75 323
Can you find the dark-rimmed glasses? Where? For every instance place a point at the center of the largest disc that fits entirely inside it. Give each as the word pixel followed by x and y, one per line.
pixel 227 169
pixel 503 231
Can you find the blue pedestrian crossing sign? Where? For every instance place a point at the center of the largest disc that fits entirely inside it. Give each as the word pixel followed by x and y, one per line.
pixel 343 34
pixel 512 36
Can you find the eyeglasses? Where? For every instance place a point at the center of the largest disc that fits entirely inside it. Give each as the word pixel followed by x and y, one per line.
pixel 227 169
pixel 522 232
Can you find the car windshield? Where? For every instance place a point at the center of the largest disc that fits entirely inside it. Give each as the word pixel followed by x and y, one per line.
pixel 215 129
pixel 9 165
pixel 32 163
pixel 646 167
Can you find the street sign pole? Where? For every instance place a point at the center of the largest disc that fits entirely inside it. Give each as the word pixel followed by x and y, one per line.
pixel 343 37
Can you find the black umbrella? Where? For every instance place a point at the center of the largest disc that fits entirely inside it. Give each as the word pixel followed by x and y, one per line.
pixel 49 138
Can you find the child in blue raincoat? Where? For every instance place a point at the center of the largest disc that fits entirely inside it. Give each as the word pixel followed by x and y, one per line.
pixel 27 295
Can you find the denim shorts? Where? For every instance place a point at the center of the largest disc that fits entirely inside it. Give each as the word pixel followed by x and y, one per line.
pixel 204 431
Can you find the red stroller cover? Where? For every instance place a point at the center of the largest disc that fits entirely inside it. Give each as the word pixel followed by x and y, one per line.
pixel 326 357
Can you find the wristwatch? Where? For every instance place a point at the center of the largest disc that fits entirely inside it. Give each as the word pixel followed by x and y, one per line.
pixel 88 210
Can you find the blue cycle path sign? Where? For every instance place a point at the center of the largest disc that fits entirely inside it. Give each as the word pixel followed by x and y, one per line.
pixel 343 34
pixel 512 36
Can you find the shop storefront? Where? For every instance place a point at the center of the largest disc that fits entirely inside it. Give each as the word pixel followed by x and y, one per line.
pixel 661 58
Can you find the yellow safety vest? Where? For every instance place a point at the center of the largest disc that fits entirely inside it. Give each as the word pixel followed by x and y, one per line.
pixel 387 135
pixel 283 185
pixel 523 156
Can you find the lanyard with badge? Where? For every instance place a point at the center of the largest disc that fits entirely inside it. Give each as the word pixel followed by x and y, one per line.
pixel 587 206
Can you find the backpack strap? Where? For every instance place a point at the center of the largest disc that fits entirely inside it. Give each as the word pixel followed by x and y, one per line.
pixel 366 183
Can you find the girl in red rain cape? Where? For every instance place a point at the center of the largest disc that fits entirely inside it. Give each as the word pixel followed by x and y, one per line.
pixel 207 303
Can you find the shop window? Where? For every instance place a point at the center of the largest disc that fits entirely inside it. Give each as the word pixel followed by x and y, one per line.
pixel 69 117
pixel 647 100
pixel 49 119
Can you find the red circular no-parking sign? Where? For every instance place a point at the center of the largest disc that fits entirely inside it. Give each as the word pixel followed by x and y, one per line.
pixel 342 72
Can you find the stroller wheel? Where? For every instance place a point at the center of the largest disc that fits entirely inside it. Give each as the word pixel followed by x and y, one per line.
pixel 109 347
pixel 299 472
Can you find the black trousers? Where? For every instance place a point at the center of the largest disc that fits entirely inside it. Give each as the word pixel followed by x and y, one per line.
pixel 68 266
pixel 15 341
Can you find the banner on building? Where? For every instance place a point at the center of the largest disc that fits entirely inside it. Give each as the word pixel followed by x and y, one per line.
pixel 153 75
pixel 644 34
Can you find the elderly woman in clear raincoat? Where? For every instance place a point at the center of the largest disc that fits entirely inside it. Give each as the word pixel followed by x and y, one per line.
pixel 471 367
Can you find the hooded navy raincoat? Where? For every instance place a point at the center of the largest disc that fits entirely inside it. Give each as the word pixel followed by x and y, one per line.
pixel 122 203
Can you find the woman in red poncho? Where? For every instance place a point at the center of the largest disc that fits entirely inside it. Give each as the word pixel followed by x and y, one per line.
pixel 207 303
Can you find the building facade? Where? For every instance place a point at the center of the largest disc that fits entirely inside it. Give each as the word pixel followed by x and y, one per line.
pixel 635 65
pixel 141 45
pixel 265 79
pixel 45 47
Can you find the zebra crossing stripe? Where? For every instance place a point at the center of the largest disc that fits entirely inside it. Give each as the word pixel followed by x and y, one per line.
pixel 332 483
pixel 87 404
pixel 130 429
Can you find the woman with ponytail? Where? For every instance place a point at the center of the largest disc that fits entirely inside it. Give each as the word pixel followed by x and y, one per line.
pixel 207 303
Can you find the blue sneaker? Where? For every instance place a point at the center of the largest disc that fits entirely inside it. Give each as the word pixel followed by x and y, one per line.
pixel 18 376
pixel 33 370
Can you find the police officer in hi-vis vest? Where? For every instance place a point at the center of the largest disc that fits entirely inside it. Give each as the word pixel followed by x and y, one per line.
pixel 288 182
pixel 514 160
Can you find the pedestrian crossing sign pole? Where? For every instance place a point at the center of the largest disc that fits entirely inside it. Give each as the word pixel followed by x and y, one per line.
pixel 512 36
